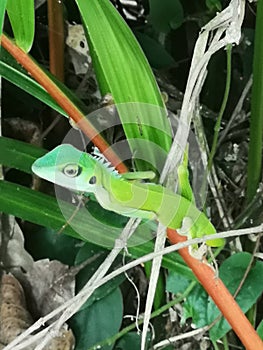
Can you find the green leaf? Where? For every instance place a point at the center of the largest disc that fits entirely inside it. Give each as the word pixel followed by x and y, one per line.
pixel 87 251
pixel 254 166
pixel 195 307
pixel 166 15
pixel 22 80
pixel 22 18
pixel 43 243
pixel 19 155
pixel 34 207
pixel 176 283
pixel 99 321
pixel 122 70
pixel 44 210
pixel 232 272
pixel 2 14
pixel 106 216
pixel 156 54
pixel 202 309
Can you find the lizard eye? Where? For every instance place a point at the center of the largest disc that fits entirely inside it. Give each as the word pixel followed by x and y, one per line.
pixel 92 180
pixel 72 170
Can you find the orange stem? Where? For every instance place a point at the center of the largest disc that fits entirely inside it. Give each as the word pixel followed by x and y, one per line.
pixel 220 295
pixel 73 112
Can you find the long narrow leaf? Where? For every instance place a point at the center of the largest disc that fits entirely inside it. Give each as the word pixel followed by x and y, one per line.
pixel 22 18
pixel 19 155
pixel 123 71
pixel 13 72
pixel 43 210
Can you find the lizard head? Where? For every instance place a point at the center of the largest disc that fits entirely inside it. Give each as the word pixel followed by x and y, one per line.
pixel 68 167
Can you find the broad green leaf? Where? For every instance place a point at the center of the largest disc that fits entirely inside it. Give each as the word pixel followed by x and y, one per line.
pixel 203 311
pixel 232 272
pixel 195 307
pixel 99 321
pixel 176 283
pixel 2 14
pixel 22 18
pixel 106 216
pixel 88 251
pixel 122 70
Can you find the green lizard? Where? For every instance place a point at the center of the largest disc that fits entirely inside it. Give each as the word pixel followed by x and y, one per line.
pixel 123 193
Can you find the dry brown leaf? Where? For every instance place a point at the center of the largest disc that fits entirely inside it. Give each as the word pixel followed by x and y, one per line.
pixel 11 290
pixel 12 252
pixel 21 129
pixel 14 317
pixel 66 341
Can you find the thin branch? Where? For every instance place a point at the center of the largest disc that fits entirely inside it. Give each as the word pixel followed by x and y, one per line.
pixel 176 338
pixel 156 266
pixel 236 111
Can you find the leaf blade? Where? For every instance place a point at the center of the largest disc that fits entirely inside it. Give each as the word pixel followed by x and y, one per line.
pixel 122 70
pixel 22 18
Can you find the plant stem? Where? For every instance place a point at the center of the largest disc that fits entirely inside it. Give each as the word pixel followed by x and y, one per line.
pixel 256 121
pixel 215 345
pixel 219 119
pixel 73 112
pixel 225 342
pixel 56 38
pixel 222 108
